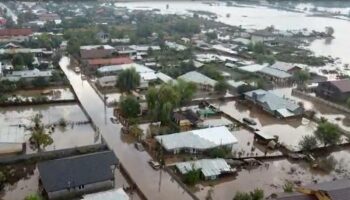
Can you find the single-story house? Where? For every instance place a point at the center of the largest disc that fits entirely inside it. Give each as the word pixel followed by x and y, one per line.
pixel 175 46
pixel 102 36
pixel 164 78
pixel 201 80
pixel 215 122
pixel 197 140
pixel 96 51
pixel 335 190
pixel 12 140
pixel 35 52
pixel 286 67
pixel 252 68
pixel 186 119
pixel 144 48
pixel 15 34
pixel 338 90
pixel 226 49
pixel 210 169
pixel 77 175
pixel 275 75
pixel 273 104
pixel 146 74
pixel 28 75
pixel 262 36
pixel 115 194
pixel 97 63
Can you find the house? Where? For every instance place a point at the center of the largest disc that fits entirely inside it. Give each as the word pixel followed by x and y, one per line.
pixel 211 169
pixel 276 75
pixel 94 64
pixel 96 51
pixel 12 140
pixel 116 194
pixel 175 46
pixel 28 75
pixel 286 67
pixel 204 82
pixel 196 141
pixel 146 74
pixel 335 190
pixel 164 78
pixel 262 36
pixel 77 175
pixel 273 104
pixel 102 36
pixel 338 90
pixel 15 34
pixel 186 119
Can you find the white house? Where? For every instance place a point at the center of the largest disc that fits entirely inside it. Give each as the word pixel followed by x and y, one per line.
pixel 28 75
pixel 201 80
pixel 197 140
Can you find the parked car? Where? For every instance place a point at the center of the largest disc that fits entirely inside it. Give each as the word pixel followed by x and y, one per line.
pixel 249 121
pixel 139 146
pixel 154 164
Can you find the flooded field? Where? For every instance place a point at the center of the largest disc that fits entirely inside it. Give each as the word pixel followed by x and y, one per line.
pixel 54 93
pixel 289 131
pixel 67 137
pixel 272 176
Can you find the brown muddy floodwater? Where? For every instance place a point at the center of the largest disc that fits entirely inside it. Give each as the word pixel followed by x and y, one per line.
pixel 67 137
pixel 273 176
pixel 53 93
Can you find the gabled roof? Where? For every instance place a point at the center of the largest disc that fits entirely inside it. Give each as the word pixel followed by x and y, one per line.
pixel 283 66
pixel 275 72
pixel 110 61
pixel 342 85
pixel 77 170
pixel 198 78
pixel 208 167
pixel 201 139
pixel 15 32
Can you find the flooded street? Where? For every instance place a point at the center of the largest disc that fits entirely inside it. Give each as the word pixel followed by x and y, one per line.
pixel 154 184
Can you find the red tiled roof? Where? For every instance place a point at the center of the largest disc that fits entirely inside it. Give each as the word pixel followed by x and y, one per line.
pixel 342 85
pixel 15 32
pixel 110 61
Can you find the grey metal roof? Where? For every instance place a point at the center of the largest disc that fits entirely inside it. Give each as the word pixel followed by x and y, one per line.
pixel 198 139
pixel 78 170
pixel 273 101
pixel 209 167
pixel 283 66
pixel 198 78
pixel 275 72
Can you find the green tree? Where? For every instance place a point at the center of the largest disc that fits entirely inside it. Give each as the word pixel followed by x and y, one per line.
pixel 40 82
pixel 328 133
pixel 129 106
pixel 212 72
pixel 136 131
pixel 28 59
pixel 192 177
pixel 308 142
pixel 211 36
pixel 301 77
pixel 186 89
pixel 33 197
pixel 38 133
pixel 18 62
pixel 257 194
pixel 348 102
pixel 128 80
pixel 2 180
pixel 221 87
pixel 288 187
pixel 242 196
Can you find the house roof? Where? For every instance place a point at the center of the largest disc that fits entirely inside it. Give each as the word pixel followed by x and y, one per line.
pixel 145 72
pixel 15 32
pixel 201 139
pixel 35 73
pixel 163 77
pixel 198 78
pixel 77 170
pixel 283 66
pixel 110 61
pixel 274 102
pixel 342 85
pixel 116 194
pixel 275 72
pixel 208 167
pixel 89 52
pixel 252 68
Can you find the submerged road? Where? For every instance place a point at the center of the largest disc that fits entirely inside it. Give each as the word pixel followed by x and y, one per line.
pixel 154 184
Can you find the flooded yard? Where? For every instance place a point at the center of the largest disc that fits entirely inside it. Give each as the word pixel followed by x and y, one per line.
pixel 63 137
pixel 289 131
pixel 272 176
pixel 53 93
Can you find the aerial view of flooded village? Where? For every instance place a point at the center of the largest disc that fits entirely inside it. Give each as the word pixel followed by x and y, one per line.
pixel 175 100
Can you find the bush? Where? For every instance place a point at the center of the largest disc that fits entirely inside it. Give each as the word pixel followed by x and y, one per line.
pixel 192 177
pixel 308 142
pixel 220 152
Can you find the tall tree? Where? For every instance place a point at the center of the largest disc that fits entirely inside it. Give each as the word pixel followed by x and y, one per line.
pixel 328 133
pixel 221 87
pixel 301 77
pixel 38 134
pixel 128 80
pixel 129 106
